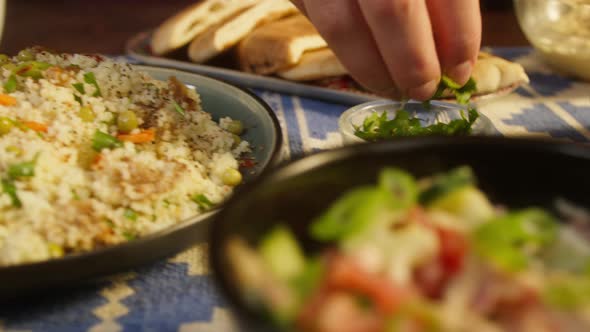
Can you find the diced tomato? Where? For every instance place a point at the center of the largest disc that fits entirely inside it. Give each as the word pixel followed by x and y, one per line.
pixel 345 274
pixel 342 313
pixel 433 276
pixel 453 247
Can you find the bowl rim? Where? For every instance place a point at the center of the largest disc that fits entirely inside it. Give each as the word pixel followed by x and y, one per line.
pixel 310 162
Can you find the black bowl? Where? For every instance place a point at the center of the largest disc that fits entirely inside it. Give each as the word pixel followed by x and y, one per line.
pixel 514 172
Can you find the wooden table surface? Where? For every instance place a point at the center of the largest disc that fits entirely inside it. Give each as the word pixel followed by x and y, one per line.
pixel 104 26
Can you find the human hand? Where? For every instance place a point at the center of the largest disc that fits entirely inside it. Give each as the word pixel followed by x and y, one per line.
pixel 400 48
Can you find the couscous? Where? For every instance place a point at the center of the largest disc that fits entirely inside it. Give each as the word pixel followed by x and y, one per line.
pixel 94 153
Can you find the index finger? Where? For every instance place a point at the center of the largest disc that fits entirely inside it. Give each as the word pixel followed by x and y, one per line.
pixel 457 32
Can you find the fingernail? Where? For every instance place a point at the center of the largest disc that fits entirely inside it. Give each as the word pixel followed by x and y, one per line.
pixel 424 91
pixel 461 72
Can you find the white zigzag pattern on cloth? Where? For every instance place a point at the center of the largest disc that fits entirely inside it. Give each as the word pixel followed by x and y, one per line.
pixel 333 139
pixel 275 102
pixel 222 322
pixel 113 309
pixel 196 259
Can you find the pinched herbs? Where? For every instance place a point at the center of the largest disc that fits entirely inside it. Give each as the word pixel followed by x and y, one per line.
pixel 462 93
pixel 377 126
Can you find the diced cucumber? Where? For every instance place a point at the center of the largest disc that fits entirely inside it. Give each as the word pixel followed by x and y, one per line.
pixel 281 253
pixel 401 185
pixel 354 212
pixel 467 203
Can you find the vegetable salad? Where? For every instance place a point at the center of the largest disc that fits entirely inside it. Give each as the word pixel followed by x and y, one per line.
pixel 419 255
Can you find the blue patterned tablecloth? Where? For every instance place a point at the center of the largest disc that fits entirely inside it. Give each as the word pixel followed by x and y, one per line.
pixel 178 294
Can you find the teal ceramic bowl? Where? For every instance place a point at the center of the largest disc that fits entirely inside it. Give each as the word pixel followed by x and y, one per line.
pixel 218 98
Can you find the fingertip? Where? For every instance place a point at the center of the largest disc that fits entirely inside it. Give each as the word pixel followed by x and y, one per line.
pixel 460 73
pixel 424 91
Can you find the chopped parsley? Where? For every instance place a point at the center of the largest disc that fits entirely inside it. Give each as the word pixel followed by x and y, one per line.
pixel 91 79
pixel 105 141
pixel 377 126
pixel 79 87
pixel 130 214
pixel 129 236
pixel 10 189
pixel 179 109
pixel 203 202
pixel 11 84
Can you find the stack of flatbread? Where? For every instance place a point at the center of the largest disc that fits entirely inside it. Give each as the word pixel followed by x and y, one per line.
pixel 270 37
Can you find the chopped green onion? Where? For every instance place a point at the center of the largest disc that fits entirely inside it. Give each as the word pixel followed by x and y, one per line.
pixel 78 99
pixel 203 202
pixel 102 141
pixel 109 223
pixel 32 69
pixel 75 195
pixel 21 170
pixel 79 87
pixel 10 189
pixel 91 79
pixel 179 108
pixel 129 236
pixel 130 214
pixel 11 84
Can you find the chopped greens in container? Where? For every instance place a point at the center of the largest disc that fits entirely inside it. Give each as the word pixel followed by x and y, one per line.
pixel 378 126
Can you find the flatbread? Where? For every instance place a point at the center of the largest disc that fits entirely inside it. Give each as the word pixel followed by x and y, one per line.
pixel 220 38
pixel 492 73
pixel 315 65
pixel 181 28
pixel 278 45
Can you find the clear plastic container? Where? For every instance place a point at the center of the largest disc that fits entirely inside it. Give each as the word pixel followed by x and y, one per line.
pixel 560 31
pixel 438 112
